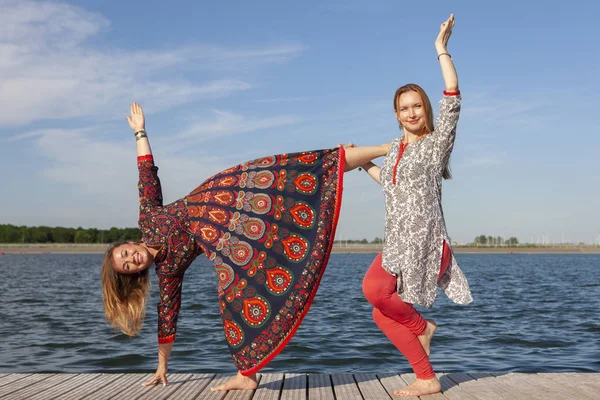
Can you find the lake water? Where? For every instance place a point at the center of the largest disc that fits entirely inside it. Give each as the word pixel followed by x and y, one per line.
pixel 531 313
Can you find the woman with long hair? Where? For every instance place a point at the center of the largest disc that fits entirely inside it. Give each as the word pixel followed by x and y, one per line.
pixel 417 256
pixel 268 227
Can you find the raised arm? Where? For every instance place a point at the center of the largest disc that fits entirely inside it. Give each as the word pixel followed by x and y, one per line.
pixel 441 45
pixel 150 191
pixel 445 126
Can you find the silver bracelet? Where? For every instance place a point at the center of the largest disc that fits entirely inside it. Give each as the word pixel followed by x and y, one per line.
pixel 140 134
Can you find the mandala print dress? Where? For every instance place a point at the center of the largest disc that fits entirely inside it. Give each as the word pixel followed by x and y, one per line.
pixel 267 226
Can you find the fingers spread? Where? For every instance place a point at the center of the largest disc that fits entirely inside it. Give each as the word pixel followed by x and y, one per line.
pixel 152 381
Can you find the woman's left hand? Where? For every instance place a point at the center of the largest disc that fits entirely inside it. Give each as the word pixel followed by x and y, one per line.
pixel 346 146
pixel 445 32
pixel 137 122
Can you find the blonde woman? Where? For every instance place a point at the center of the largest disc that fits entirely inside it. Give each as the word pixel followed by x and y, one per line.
pixel 416 256
pixel 267 225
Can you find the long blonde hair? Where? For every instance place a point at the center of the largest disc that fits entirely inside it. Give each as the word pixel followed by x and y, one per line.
pixel 124 295
pixel 412 87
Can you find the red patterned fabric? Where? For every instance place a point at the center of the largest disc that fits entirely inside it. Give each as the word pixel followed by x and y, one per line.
pixel 268 227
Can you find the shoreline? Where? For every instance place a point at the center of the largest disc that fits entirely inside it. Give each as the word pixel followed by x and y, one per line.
pixel 70 248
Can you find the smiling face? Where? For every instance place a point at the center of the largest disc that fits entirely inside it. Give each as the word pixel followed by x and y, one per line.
pixel 411 112
pixel 131 258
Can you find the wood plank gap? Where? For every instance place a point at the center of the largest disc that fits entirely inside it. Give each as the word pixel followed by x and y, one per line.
pixel 193 386
pixel 63 387
pixel 23 383
pixel 452 390
pixel 96 385
pixel 9 378
pixel 295 387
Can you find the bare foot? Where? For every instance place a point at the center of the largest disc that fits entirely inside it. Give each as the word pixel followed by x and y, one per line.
pixel 238 382
pixel 420 387
pixel 425 338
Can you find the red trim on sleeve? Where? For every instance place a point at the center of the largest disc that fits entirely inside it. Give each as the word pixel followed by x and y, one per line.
pixel 147 157
pixel 446 93
pixel 167 339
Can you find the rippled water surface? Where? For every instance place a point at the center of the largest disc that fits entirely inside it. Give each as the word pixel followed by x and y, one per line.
pixel 530 313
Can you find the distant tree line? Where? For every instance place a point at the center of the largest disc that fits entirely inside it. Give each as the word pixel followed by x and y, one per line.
pixel 46 234
pixel 496 241
pixel 362 241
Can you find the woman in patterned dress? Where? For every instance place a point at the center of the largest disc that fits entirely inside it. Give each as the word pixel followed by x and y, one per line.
pixel 416 256
pixel 267 225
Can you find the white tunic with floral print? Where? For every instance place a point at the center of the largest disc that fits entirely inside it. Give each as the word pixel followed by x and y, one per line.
pixel 415 230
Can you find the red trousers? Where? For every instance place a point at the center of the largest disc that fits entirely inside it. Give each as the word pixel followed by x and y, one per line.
pixel 398 320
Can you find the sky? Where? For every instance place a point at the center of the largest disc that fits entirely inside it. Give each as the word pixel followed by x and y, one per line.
pixel 226 82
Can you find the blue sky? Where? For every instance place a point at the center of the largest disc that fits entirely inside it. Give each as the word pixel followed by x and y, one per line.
pixel 225 82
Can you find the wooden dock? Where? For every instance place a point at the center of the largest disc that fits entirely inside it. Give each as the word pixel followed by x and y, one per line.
pixel 299 386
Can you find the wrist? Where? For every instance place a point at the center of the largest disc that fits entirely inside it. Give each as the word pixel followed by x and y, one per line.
pixel 139 134
pixel 440 48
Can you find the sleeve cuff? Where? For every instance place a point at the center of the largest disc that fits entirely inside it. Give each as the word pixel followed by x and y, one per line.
pixel 147 157
pixel 167 339
pixel 446 93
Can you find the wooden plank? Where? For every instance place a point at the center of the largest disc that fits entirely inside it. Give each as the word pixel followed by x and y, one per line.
pixel 242 394
pixel 294 387
pixel 345 387
pixel 136 388
pixel 521 389
pixel 393 382
pixel 370 387
pixel 69 382
pixel 40 388
pixel 573 382
pixel 21 383
pixel 91 387
pixel 452 390
pixel 192 386
pixel 478 389
pixel 122 385
pixel 410 378
pixel 591 378
pixel 160 392
pixel 269 388
pixel 9 378
pixel 208 394
pixel 319 387
pixel 545 388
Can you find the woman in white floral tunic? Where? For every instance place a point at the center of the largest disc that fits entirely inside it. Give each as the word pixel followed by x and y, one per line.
pixel 416 255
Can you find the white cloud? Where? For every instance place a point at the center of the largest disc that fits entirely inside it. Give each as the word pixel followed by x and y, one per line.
pixel 50 71
pixel 224 123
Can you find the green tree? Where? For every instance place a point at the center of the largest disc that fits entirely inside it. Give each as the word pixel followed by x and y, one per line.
pixel 513 241
pixel 481 239
pixel 83 236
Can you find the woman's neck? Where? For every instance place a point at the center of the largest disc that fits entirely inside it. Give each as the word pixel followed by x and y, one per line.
pixel 410 137
pixel 151 249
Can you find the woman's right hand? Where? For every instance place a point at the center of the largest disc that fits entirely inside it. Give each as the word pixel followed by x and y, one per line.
pixel 159 376
pixel 441 42
pixel 136 120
